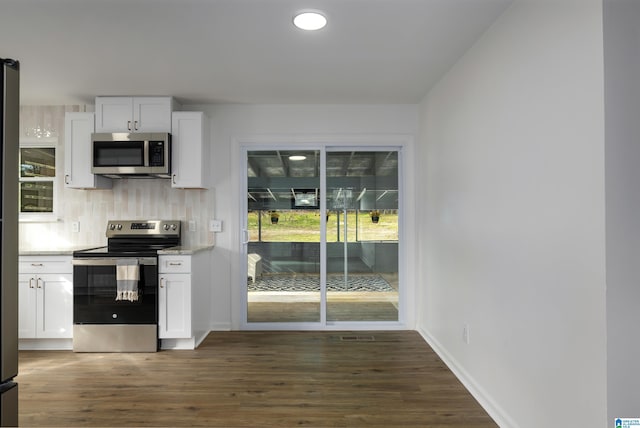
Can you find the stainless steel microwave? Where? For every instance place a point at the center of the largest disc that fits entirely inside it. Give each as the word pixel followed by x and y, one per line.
pixel 124 155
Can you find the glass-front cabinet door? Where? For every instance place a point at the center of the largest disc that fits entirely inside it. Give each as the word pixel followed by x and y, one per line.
pixel 37 177
pixel 322 232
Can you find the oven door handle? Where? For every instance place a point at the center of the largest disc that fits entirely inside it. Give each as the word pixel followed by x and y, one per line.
pixel 107 261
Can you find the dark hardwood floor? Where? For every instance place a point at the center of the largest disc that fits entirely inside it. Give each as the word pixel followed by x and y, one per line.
pixel 252 379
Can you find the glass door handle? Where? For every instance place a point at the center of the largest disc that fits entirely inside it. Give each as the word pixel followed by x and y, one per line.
pixel 245 236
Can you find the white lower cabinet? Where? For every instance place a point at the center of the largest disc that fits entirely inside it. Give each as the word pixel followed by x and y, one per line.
pixel 174 299
pixel 45 296
pixel 184 299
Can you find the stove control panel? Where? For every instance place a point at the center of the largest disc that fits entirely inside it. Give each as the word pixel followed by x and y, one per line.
pixel 119 228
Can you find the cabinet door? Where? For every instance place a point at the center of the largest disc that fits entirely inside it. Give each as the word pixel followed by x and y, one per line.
pixel 152 114
pixel 114 114
pixel 77 153
pixel 26 306
pixel 54 306
pixel 174 311
pixel 189 157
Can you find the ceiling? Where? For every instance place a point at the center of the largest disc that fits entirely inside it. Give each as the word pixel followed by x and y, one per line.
pixel 238 51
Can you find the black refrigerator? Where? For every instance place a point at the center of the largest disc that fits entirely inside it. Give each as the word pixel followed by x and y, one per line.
pixel 9 140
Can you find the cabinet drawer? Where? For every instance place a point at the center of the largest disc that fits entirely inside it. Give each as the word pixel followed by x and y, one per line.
pixel 45 264
pixel 174 264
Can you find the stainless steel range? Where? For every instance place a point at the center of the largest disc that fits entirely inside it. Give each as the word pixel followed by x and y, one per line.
pixel 115 288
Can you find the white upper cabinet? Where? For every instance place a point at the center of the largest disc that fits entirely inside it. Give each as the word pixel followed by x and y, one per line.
pixel 77 153
pixel 134 114
pixel 189 149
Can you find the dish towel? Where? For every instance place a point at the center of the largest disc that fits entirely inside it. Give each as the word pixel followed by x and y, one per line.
pixel 127 276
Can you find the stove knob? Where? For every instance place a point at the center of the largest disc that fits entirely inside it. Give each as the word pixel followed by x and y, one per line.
pixel 112 226
pixel 166 227
pixel 174 226
pixel 119 226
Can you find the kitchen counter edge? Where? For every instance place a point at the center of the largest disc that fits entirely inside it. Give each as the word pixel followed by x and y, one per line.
pixel 67 251
pixel 173 251
pixel 70 250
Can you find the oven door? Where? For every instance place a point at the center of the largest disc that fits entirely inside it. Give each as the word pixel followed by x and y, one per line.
pixel 95 290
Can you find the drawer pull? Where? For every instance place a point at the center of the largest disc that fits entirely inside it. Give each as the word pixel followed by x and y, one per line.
pixel 37 264
pixel 175 263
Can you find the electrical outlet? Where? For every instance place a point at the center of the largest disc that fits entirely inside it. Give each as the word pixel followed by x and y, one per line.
pixel 75 226
pixel 465 334
pixel 215 225
pixel 192 226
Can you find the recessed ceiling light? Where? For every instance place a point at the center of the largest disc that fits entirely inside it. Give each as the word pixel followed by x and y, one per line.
pixel 309 21
pixel 297 157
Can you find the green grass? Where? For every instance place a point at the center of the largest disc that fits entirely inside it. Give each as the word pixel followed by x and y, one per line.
pixel 304 226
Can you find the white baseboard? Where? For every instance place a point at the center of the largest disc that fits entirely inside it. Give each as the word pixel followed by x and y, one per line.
pixel 177 344
pixel 221 327
pixel 494 410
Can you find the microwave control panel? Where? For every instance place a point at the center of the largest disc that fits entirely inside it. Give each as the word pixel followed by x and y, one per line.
pixel 156 153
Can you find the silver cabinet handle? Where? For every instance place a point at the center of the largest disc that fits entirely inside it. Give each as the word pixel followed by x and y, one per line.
pixel 175 263
pixel 67 179
pixel 129 125
pixel 173 179
pixel 161 282
pixel 37 264
pixel 39 283
pixel 31 282
pixel 135 125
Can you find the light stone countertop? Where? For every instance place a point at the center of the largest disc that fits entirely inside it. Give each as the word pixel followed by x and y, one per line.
pixel 68 251
pixel 174 251
pixel 58 251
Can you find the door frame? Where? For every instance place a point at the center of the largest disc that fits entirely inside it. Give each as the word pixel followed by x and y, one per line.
pixel 404 145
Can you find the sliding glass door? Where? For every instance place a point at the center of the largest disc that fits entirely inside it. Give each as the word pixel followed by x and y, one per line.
pixel 322 236
pixel 283 218
pixel 362 237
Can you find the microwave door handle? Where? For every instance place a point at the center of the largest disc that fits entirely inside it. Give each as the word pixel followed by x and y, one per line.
pixel 146 153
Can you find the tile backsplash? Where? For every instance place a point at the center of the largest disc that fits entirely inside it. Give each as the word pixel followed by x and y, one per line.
pixel 129 199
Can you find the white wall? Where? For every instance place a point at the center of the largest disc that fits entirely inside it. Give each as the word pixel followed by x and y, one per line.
pixel 233 124
pixel 622 103
pixel 513 143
